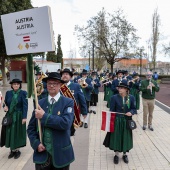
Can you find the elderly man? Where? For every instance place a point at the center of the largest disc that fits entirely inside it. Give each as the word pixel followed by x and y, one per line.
pixel 56 114
pixel 148 88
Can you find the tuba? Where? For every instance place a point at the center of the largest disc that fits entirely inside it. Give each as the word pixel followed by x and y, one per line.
pixel 39 84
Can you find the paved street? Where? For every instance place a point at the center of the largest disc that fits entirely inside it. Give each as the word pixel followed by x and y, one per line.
pixel 151 150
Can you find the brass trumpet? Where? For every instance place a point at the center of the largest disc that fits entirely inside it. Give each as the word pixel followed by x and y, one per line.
pixel 82 82
pixel 39 84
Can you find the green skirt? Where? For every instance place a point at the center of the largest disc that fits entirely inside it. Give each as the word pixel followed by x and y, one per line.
pixel 16 133
pixel 136 95
pixel 121 139
pixel 110 94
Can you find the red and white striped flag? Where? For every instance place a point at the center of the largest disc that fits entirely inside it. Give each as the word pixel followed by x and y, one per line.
pixel 108 120
pixel 26 38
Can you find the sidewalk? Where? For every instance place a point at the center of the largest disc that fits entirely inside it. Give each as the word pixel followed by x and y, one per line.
pixel 151 150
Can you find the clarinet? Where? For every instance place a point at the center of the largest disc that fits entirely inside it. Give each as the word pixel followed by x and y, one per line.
pixel 150 84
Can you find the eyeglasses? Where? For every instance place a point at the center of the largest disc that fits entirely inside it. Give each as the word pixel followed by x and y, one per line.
pixel 15 84
pixel 53 84
pixel 149 75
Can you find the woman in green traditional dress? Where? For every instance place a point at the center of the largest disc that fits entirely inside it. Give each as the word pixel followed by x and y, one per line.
pixel 121 139
pixel 16 106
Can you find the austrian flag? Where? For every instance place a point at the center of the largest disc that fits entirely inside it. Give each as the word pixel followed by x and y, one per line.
pixel 26 38
pixel 108 119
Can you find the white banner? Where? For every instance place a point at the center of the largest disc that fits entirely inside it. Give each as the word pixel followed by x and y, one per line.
pixel 28 31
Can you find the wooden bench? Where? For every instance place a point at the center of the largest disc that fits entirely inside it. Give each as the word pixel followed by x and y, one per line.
pixel 165 80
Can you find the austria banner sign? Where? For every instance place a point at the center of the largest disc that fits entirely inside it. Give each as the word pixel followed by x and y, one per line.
pixel 28 31
pixel 108 119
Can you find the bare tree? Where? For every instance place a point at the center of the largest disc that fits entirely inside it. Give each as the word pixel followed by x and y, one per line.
pixel 155 36
pixel 112 35
pixel 166 49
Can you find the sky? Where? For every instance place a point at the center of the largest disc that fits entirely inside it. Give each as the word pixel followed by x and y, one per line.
pixel 68 13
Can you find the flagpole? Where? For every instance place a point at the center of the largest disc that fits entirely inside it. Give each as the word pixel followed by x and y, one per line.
pixel 114 112
pixel 36 105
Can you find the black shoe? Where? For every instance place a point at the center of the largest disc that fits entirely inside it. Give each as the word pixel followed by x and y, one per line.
pixel 116 159
pixel 91 111
pixel 94 112
pixel 81 124
pixel 85 125
pixel 144 128
pixel 17 154
pixel 151 128
pixel 125 159
pixel 11 155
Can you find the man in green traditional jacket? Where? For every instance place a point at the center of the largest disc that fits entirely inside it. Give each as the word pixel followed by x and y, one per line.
pixel 148 88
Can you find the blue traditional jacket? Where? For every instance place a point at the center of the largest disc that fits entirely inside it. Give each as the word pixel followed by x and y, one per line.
pixel 59 122
pixel 96 86
pixel 22 104
pixel 87 90
pixel 115 83
pixel 79 97
pixel 118 105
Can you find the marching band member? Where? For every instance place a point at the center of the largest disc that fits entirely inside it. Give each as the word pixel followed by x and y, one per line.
pixel 105 79
pixel 16 107
pixel 75 77
pixel 127 76
pixel 109 91
pixel 94 95
pixel 41 86
pixel 77 92
pixel 117 81
pixel 121 139
pixel 134 88
pixel 87 89
pixel 148 88
pixel 56 113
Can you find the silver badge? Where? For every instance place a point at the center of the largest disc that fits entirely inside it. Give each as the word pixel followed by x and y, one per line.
pixel 69 109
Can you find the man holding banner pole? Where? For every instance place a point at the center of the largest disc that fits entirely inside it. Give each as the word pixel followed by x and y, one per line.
pixel 56 114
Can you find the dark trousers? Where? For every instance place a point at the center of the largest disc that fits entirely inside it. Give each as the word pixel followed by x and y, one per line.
pixel 50 167
pixel 88 104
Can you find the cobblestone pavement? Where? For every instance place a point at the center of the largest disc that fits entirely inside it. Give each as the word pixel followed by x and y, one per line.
pixel 151 150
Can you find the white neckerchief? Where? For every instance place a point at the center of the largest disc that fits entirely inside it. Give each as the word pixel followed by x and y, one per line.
pixel 68 83
pixel 56 97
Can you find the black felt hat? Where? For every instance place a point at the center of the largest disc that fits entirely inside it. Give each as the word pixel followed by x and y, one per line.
pixel 123 85
pixel 15 81
pixel 84 71
pixel 76 73
pixel 119 71
pixel 94 73
pixel 66 70
pixel 38 73
pixel 53 75
pixel 135 74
